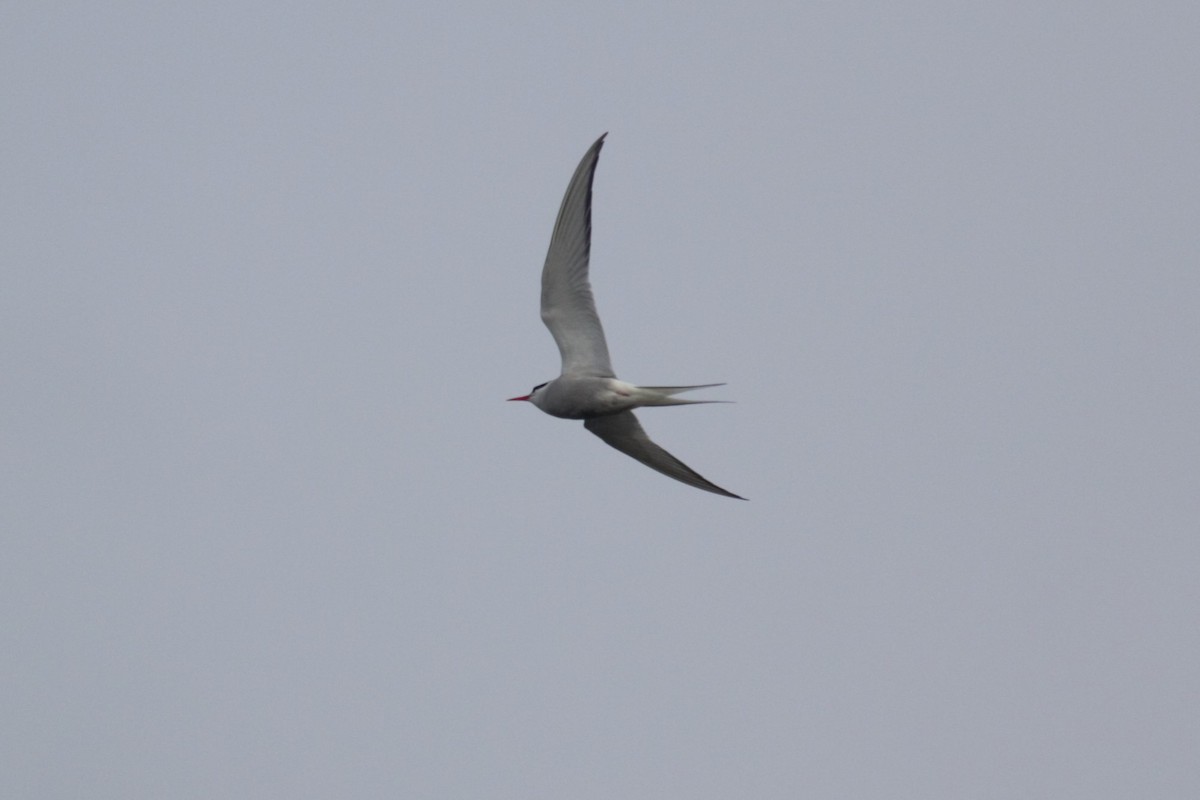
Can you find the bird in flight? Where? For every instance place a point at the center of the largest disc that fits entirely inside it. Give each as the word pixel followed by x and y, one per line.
pixel 587 389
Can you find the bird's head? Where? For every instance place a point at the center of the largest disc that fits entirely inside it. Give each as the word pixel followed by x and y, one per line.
pixel 533 394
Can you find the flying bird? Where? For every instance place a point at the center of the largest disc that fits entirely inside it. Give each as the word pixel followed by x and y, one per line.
pixel 587 389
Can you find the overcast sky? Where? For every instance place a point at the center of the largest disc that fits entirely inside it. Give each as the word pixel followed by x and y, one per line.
pixel 269 529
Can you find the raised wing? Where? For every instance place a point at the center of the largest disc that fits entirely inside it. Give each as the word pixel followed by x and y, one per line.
pixel 567 305
pixel 624 432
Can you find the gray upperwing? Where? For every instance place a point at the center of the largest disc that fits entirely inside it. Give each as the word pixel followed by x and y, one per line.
pixel 568 308
pixel 624 432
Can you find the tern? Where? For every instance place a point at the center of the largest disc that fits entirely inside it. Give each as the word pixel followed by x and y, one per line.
pixel 588 389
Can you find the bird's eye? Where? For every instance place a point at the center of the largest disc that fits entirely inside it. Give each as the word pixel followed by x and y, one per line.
pixel 534 389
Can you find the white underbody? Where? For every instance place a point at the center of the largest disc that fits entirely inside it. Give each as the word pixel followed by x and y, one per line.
pixel 572 397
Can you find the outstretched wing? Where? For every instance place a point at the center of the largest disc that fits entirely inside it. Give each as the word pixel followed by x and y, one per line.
pixel 624 432
pixel 568 308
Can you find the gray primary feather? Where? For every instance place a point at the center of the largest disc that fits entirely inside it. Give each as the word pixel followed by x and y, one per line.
pixel 568 308
pixel 624 432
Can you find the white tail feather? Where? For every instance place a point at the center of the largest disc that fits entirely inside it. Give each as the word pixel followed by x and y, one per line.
pixel 674 390
pixel 664 395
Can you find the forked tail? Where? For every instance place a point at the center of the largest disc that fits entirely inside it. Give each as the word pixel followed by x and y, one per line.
pixel 665 395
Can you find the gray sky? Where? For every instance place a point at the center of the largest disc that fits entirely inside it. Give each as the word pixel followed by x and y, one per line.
pixel 269 529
